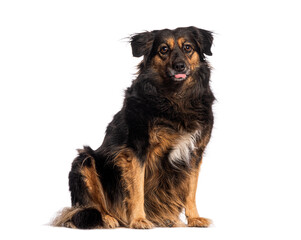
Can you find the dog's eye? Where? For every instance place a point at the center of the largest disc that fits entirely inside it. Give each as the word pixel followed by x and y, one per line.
pixel 164 50
pixel 187 48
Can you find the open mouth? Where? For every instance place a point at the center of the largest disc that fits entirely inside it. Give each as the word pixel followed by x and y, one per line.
pixel 180 77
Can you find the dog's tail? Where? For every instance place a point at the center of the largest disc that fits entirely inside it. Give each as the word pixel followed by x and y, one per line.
pixel 79 217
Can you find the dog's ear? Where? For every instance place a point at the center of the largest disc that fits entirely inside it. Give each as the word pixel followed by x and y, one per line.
pixel 142 43
pixel 204 39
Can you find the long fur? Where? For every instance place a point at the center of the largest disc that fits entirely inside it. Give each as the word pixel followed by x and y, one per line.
pixel 145 172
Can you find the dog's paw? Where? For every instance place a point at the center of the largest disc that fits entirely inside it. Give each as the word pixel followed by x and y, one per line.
pixel 110 222
pixel 199 222
pixel 69 225
pixel 141 223
pixel 172 223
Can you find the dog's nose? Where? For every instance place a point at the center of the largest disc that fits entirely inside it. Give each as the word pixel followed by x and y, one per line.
pixel 179 66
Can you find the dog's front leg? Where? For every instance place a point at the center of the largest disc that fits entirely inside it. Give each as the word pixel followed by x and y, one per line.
pixel 135 198
pixel 133 182
pixel 191 212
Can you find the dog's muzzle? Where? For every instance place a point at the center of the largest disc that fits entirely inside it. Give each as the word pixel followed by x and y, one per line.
pixel 179 71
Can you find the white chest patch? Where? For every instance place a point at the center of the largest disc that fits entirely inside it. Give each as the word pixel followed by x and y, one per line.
pixel 182 149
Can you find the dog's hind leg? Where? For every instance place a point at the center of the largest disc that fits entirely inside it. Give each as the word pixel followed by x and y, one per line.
pixel 89 208
pixel 96 193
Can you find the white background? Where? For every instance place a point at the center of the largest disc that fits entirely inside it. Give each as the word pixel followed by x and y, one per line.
pixel 64 66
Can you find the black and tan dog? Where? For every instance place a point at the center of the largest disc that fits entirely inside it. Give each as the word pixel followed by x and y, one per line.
pixel 145 173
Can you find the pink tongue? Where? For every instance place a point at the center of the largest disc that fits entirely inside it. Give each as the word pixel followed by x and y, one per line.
pixel 180 76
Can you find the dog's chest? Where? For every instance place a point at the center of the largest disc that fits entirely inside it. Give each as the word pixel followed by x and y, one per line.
pixel 183 147
pixel 177 147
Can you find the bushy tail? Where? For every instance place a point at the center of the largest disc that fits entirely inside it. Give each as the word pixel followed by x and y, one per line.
pixel 79 217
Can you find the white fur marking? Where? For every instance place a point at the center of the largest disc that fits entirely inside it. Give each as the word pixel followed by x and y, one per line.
pixel 183 148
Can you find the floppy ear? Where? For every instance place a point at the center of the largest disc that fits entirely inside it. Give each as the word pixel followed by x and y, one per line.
pixel 142 43
pixel 204 39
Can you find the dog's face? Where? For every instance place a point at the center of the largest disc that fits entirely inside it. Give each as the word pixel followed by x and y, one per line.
pixel 173 54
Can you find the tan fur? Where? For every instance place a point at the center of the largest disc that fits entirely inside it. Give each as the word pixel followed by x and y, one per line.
pixel 94 187
pixel 180 41
pixel 194 61
pixel 110 222
pixel 190 206
pixel 199 222
pixel 158 64
pixel 63 219
pixel 161 139
pixel 191 212
pixel 171 43
pixel 133 179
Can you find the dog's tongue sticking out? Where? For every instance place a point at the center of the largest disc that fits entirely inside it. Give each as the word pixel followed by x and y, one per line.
pixel 180 76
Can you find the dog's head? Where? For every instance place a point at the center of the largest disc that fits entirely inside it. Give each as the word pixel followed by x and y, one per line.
pixel 173 54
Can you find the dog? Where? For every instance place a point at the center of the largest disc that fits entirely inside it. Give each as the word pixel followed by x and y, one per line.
pixel 145 173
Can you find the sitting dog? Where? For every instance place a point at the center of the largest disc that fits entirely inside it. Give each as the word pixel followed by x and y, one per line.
pixel 145 173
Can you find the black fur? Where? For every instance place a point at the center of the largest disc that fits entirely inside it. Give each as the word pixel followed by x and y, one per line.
pixel 87 219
